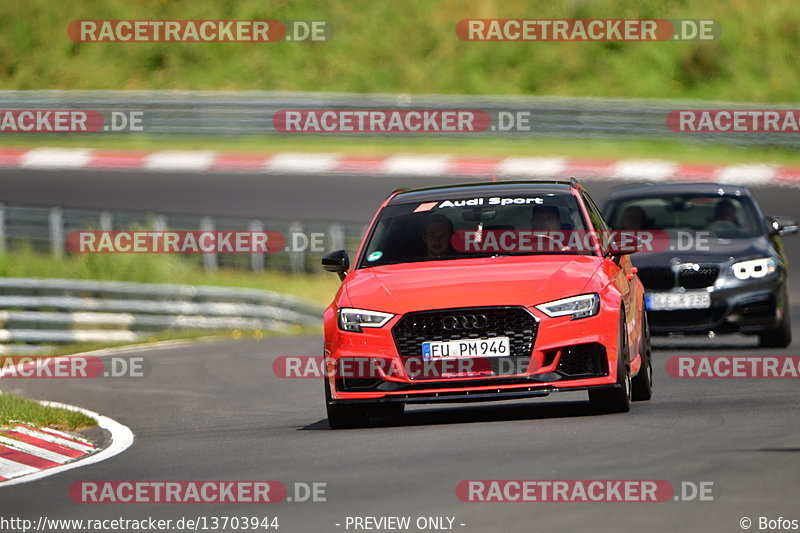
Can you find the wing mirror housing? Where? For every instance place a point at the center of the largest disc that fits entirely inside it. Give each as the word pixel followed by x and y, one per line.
pixel 338 262
pixel 779 225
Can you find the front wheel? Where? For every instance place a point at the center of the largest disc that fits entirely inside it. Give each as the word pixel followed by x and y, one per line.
pixel 345 416
pixel 780 337
pixel 642 384
pixel 616 400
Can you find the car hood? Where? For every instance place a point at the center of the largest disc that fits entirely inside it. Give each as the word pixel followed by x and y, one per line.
pixel 718 251
pixel 469 282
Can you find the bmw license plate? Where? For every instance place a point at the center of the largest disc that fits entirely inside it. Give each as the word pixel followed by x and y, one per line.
pixel 494 347
pixel 673 301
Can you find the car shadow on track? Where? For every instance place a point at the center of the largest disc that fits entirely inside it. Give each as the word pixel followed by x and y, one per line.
pixel 704 345
pixel 477 413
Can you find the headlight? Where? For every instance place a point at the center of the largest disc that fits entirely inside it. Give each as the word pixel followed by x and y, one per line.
pixel 755 268
pixel 577 306
pixel 355 319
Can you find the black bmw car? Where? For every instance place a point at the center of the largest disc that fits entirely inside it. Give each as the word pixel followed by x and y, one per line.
pixel 724 269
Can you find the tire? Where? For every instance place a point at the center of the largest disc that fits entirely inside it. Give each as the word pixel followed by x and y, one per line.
pixel 345 416
pixel 780 337
pixel 642 384
pixel 617 400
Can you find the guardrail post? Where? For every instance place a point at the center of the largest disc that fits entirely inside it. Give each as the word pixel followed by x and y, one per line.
pixel 209 259
pixel 297 258
pixel 56 224
pixel 2 228
pixel 256 259
pixel 106 221
pixel 337 237
pixel 159 223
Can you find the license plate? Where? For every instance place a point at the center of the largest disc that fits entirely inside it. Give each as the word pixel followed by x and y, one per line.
pixel 669 301
pixel 494 347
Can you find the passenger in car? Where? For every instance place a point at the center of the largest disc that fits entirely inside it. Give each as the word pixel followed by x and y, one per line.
pixel 725 212
pixel 634 218
pixel 545 218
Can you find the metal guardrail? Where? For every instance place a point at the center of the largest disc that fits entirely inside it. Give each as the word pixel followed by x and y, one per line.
pixel 244 113
pixel 45 229
pixel 65 311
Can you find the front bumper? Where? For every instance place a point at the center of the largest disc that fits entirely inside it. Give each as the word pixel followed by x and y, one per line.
pixel 736 306
pixel 567 355
pixel 474 395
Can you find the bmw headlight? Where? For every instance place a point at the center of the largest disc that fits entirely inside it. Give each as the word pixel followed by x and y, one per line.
pixel 755 268
pixel 355 319
pixel 577 306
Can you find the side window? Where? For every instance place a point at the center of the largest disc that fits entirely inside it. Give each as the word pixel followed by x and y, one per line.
pixel 594 213
pixel 596 218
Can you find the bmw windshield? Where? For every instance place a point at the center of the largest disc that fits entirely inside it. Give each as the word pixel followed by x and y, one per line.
pixel 723 216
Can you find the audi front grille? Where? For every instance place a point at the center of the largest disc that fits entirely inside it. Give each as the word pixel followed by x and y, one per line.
pixel 666 278
pixel 516 323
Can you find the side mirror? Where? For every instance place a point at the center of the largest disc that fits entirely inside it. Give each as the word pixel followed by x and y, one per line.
pixel 338 262
pixel 622 243
pixel 782 225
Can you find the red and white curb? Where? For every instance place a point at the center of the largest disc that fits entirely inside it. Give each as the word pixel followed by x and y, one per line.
pixel 431 166
pixel 26 449
pixel 28 453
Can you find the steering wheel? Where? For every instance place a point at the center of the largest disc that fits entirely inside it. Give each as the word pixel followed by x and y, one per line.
pixel 723 226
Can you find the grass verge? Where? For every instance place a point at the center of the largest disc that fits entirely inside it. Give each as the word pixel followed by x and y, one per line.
pixel 411 47
pixel 30 411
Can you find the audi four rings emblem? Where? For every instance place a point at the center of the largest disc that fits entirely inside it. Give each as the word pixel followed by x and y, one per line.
pixel 454 322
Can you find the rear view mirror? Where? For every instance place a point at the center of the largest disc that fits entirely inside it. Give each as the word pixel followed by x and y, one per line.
pixel 338 262
pixel 479 215
pixel 782 225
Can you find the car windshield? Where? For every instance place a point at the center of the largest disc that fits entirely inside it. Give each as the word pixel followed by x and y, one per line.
pixel 722 216
pixel 436 230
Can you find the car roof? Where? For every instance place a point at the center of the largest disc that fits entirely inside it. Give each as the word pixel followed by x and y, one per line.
pixel 469 190
pixel 651 189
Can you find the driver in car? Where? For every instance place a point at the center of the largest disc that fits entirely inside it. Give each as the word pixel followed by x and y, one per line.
pixel 437 236
pixel 724 217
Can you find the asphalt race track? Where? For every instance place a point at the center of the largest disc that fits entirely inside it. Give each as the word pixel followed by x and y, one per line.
pixel 216 411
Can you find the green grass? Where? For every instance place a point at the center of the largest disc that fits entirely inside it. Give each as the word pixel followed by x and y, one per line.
pixel 411 47
pixel 162 268
pixel 14 408
pixel 584 148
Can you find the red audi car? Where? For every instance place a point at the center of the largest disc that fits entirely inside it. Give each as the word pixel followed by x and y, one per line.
pixel 487 291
